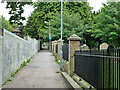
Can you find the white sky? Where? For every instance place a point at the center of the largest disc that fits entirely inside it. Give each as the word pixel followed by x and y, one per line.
pixel 96 4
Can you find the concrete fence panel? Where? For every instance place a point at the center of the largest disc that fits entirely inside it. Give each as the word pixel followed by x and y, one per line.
pixel 1 60
pixel 13 51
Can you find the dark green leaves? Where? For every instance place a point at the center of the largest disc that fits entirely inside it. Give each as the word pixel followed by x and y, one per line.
pixel 16 11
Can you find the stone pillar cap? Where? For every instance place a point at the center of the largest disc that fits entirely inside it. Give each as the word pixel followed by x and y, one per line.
pixel 60 40
pixel 74 37
pixel 55 41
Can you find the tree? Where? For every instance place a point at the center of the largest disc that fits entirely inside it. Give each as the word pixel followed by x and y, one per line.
pixel 16 11
pixel 72 24
pixel 31 27
pixel 107 24
pixel 15 26
pixel 45 11
pixel 5 24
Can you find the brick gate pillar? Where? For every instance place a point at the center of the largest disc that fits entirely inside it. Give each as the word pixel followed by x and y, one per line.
pixel 52 46
pixel 59 47
pixel 55 43
pixel 74 44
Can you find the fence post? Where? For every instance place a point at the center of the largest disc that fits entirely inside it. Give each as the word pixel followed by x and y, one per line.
pixel 74 44
pixel 59 47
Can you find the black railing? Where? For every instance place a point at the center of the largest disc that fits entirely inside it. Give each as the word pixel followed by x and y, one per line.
pixel 53 48
pixel 99 68
pixel 56 48
pixel 65 52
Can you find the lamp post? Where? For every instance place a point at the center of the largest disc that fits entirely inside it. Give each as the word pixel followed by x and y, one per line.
pixel 49 36
pixel 61 39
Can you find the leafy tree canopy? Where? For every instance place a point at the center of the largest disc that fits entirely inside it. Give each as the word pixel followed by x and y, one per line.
pixel 94 28
pixel 16 11
pixel 106 24
pixel 46 11
pixel 4 24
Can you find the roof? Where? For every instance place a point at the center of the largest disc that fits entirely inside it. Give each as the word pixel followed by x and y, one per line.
pixel 15 30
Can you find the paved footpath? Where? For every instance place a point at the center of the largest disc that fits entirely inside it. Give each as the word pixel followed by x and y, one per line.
pixel 39 73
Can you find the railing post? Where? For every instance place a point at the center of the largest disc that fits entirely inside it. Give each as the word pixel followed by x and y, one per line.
pixel 74 44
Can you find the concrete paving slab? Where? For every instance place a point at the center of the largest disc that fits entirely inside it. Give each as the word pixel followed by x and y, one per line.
pixel 39 73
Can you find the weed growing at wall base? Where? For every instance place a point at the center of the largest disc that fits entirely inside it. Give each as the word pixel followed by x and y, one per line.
pixel 28 61
pixel 57 61
pixel 58 72
pixel 22 65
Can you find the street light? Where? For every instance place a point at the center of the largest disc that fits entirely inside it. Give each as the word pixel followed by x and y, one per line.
pixel 61 38
pixel 49 36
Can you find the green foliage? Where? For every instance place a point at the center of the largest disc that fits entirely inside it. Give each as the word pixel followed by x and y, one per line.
pixel 57 61
pixel 28 61
pixel 5 24
pixel 106 24
pixel 32 27
pixel 72 24
pixel 17 70
pixel 58 72
pixel 13 74
pixel 69 27
pixel 93 28
pixel 21 66
pixel 46 11
pixel 9 79
pixel 4 83
pixel 16 11
pixel 15 26
pixel 24 63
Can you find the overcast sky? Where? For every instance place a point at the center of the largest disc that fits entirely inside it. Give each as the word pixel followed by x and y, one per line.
pixel 96 4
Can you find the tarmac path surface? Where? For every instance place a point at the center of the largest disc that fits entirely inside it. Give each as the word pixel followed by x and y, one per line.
pixel 39 73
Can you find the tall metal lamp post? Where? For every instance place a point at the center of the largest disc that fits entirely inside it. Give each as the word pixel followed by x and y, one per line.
pixel 61 38
pixel 49 36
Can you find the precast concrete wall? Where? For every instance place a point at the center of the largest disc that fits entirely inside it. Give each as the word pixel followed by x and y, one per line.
pixel 13 51
pixel 1 60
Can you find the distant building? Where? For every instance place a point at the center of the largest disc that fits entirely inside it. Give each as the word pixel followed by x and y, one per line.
pixel 18 31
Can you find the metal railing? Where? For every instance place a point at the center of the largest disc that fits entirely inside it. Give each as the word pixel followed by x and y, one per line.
pixel 53 48
pixel 65 52
pixel 101 68
pixel 56 48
